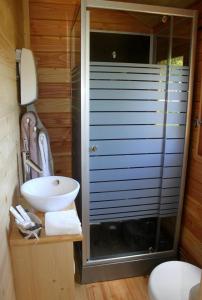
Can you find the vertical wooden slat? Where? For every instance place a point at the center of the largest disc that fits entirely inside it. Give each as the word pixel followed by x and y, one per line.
pixel 11 37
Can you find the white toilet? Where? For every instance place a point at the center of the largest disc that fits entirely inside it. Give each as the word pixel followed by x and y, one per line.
pixel 173 280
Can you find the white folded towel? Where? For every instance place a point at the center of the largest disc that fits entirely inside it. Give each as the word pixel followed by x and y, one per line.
pixel 62 222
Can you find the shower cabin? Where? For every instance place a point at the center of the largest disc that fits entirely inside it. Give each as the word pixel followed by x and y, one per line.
pixel 132 75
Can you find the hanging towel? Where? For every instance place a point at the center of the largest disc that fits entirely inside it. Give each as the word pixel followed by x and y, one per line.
pixel 43 142
pixel 45 153
pixel 29 142
pixel 62 222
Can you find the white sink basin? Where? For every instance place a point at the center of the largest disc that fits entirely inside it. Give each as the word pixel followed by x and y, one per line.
pixel 51 193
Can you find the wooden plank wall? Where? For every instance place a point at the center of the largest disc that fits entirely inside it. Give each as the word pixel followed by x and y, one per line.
pixel 11 37
pixel 50 24
pixel 191 235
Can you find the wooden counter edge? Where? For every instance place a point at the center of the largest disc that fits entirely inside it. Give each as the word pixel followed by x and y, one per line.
pixel 16 239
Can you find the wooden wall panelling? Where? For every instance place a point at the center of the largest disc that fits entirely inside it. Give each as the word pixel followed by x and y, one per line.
pixel 50 28
pixel 50 25
pixel 191 235
pixel 54 105
pixel 51 11
pixel 26 23
pixel 56 1
pixel 52 59
pixel 118 21
pixel 54 75
pixel 54 90
pixel 11 37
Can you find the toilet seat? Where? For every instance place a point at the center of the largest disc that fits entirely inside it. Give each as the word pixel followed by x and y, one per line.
pixel 173 280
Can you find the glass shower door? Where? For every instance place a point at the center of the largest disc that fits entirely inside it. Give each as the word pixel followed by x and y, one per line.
pixel 137 131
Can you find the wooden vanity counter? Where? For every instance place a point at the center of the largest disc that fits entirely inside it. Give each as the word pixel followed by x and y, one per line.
pixel 43 269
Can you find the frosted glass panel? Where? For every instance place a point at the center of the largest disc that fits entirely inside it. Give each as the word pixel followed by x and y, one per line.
pixel 137 129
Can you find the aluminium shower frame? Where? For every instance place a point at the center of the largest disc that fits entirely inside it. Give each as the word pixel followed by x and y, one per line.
pixel 93 270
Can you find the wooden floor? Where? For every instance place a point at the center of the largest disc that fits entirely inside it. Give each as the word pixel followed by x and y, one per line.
pixel 124 289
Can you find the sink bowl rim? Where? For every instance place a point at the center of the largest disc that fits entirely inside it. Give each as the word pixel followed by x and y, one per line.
pixel 54 177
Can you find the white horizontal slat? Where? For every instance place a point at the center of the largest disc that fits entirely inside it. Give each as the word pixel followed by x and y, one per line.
pixel 169 172
pixel 127 147
pixel 178 86
pixel 114 210
pixel 119 217
pixel 170 199
pixel 125 131
pixel 170 192
pixel 168 207
pixel 175 132
pixel 106 196
pixel 125 161
pixel 178 96
pixel 124 174
pixel 176 106
pixel 129 69
pixel 110 118
pixel 174 146
pixel 126 185
pixel 134 131
pixel 131 161
pixel 170 182
pixel 131 94
pixel 176 118
pixel 178 78
pixel 124 85
pixel 124 202
pixel 174 70
pixel 135 105
pixel 124 215
pixel 136 146
pixel 126 105
pixel 107 118
pixel 168 213
pixel 127 76
pixel 137 84
pixel 124 64
pixel 171 160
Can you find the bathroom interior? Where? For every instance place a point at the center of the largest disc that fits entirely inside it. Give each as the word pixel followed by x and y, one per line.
pixel 107 96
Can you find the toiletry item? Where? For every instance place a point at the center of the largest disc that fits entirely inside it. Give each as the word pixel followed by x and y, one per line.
pixel 23 213
pixel 25 225
pixel 62 222
pixel 33 231
pixel 16 214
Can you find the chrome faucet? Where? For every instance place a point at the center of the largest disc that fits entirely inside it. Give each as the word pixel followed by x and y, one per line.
pixel 27 162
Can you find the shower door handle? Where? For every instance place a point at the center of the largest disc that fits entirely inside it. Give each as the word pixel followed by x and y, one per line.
pixel 93 149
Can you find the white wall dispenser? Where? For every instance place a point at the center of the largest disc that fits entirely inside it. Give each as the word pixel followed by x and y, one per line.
pixel 28 76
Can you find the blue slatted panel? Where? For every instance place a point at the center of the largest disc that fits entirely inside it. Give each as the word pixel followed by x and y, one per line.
pixel 136 169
